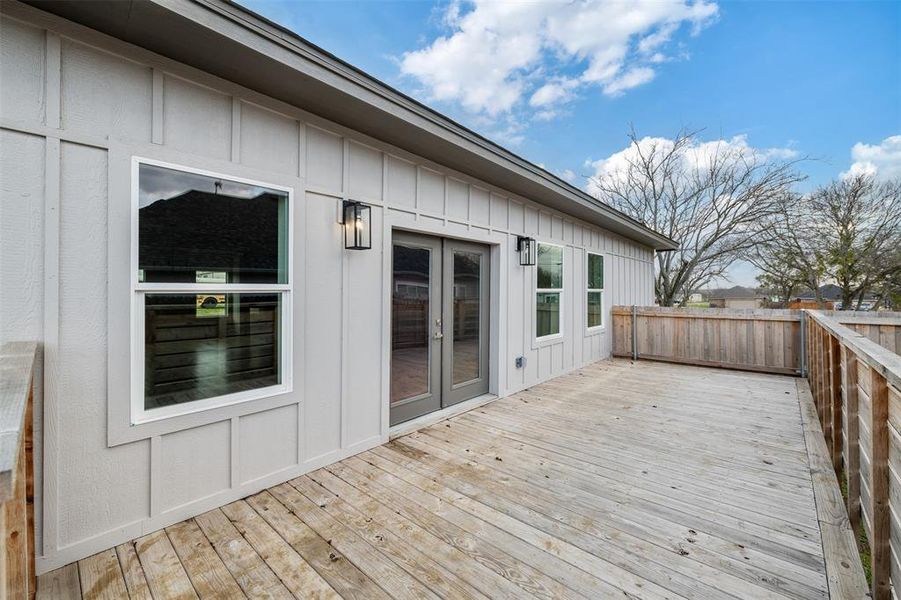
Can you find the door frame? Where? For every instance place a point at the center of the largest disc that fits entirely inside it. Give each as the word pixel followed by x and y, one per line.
pixel 501 250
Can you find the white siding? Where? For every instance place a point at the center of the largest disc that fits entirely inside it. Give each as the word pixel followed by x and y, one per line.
pixel 55 162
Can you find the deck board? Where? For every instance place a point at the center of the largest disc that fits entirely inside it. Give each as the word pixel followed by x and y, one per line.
pixel 645 480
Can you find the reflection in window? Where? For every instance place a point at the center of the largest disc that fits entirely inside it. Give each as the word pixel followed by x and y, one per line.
pixel 595 297
pixel 466 318
pixel 190 356
pixel 209 338
pixel 211 305
pixel 549 291
pixel 190 223
pixel 410 322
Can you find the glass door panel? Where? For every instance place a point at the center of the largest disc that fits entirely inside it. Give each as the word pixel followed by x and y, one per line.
pixel 466 321
pixel 466 305
pixel 415 327
pixel 410 323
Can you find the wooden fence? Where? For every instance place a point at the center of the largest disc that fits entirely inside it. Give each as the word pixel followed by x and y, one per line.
pixel 17 580
pixel 754 339
pixel 856 386
pixel 885 331
pixel 767 340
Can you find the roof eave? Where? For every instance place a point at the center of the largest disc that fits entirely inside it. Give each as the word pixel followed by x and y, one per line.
pixel 229 41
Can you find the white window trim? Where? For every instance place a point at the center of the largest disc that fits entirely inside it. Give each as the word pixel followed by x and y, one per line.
pixel 597 328
pixel 138 414
pixel 560 334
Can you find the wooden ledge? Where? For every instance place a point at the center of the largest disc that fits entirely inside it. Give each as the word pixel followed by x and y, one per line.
pixel 16 371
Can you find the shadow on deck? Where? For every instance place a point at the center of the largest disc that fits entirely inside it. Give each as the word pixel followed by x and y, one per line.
pixel 645 480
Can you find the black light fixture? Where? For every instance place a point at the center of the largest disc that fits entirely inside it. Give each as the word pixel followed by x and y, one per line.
pixel 528 250
pixel 357 225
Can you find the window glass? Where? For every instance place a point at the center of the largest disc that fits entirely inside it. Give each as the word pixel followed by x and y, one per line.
pixel 547 321
pixel 191 224
pixel 203 346
pixel 595 297
pixel 410 333
pixel 467 308
pixel 595 272
pixel 595 309
pixel 218 336
pixel 550 266
pixel 549 290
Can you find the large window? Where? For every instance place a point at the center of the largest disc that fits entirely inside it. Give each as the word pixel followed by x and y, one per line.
pixel 595 292
pixel 549 292
pixel 212 291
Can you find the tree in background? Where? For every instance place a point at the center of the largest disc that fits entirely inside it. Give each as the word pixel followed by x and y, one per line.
pixel 858 221
pixel 711 197
pixel 848 231
pixel 787 251
pixel 888 293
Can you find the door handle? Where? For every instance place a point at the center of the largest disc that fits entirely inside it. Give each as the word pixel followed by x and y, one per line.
pixel 438 334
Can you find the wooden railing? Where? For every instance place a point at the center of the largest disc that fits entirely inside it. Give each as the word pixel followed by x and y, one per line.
pixel 884 330
pixel 856 386
pixel 17 575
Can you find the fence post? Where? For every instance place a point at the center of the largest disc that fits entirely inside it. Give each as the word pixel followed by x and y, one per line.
pixel 879 473
pixel 634 332
pixel 803 343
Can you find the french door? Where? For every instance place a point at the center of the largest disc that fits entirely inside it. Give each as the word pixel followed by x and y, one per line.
pixel 439 324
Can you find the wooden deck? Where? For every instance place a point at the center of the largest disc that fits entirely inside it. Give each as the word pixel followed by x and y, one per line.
pixel 644 480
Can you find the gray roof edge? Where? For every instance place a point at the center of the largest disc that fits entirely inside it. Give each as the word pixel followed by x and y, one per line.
pixel 249 19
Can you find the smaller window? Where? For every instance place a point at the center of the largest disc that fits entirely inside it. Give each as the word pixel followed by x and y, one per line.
pixel 595 292
pixel 549 292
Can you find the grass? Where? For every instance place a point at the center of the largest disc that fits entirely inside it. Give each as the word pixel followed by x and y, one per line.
pixel 863 544
pixel 698 304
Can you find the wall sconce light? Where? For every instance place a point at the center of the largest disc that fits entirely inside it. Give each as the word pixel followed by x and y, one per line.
pixel 528 250
pixel 357 225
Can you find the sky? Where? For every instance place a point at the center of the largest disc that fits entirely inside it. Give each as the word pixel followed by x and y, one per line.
pixel 563 83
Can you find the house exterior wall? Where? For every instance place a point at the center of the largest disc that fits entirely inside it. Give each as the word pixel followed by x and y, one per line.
pixel 75 106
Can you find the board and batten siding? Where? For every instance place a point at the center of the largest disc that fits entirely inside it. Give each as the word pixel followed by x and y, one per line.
pixel 72 98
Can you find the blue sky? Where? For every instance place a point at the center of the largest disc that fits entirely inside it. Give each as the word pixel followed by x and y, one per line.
pixel 561 84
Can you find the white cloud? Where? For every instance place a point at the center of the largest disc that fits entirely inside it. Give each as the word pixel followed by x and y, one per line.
pixel 500 53
pixel 695 157
pixel 882 160
pixel 628 80
pixel 553 92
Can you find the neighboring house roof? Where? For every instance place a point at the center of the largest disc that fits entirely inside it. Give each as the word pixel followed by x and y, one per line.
pixel 203 231
pixel 830 291
pixel 233 43
pixel 734 293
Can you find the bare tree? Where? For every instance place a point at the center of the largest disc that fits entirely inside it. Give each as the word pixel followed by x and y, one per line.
pixel 888 292
pixel 710 197
pixel 777 269
pixel 858 225
pixel 788 252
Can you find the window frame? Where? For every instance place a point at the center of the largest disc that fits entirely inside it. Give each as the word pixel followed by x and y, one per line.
pixel 138 414
pixel 561 291
pixel 591 329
